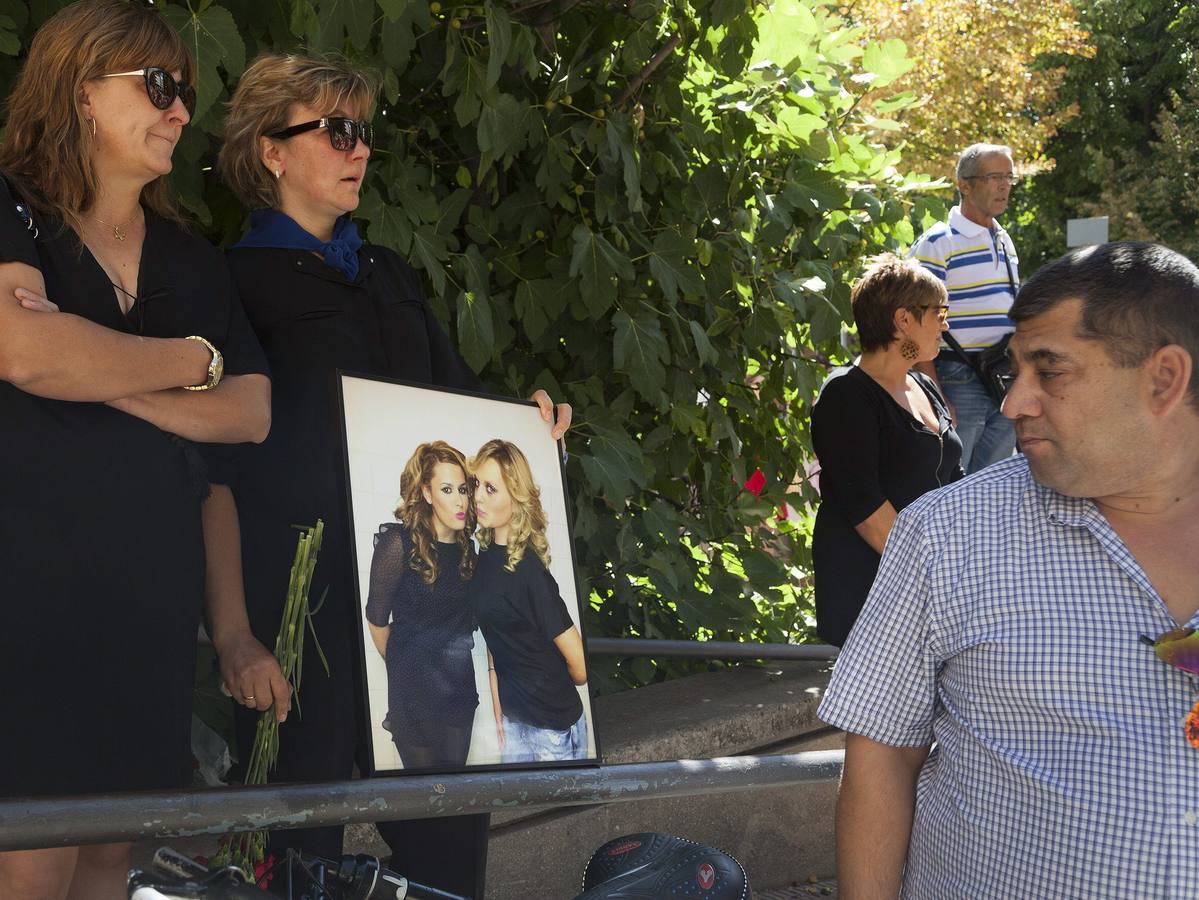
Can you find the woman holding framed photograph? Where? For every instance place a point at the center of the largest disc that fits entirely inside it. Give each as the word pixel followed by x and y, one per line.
pixel 535 655
pixel 418 613
pixel 297 141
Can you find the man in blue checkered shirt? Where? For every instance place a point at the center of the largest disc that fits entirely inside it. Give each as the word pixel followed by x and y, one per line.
pixel 1004 628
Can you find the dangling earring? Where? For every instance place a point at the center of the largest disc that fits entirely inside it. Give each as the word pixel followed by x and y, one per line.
pixel 278 174
pixel 93 122
pixel 909 350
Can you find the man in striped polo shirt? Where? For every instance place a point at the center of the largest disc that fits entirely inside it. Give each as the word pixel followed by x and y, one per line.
pixel 975 258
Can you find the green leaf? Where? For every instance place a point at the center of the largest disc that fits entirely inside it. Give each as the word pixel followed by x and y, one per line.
pixel 620 141
pixel 345 17
pixel 612 462
pixel 762 569
pixel 499 41
pixel 798 125
pixel 430 252
pixel 397 41
pixel 470 93
pixel 411 193
pixel 17 11
pixel 476 334
pixel 640 349
pixel 896 103
pixel 597 264
pixel 538 303
pixel 475 271
pixel 395 9
pixel 668 262
pixel 817 192
pixel 881 124
pixel 214 40
pixel 886 61
pixel 703 346
pixel 785 34
pixel 304 22
pixel 388 226
pixel 10 44
pixel 503 125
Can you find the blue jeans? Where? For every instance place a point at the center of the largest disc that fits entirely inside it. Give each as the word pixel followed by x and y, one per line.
pixel 528 743
pixel 987 437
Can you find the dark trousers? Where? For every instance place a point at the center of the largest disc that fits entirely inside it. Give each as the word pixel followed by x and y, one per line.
pixel 319 742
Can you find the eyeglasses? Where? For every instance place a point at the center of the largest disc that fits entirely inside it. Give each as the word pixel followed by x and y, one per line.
pixel 1179 647
pixel 995 177
pixel 162 88
pixel 344 133
pixel 942 310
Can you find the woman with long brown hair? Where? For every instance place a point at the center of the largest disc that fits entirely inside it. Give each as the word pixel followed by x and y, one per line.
pixel 418 613
pixel 108 310
pixel 534 649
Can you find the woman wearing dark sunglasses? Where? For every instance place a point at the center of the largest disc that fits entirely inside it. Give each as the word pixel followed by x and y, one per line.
pixel 296 148
pixel 109 309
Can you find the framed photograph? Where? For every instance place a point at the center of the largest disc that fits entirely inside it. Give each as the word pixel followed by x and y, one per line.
pixel 472 651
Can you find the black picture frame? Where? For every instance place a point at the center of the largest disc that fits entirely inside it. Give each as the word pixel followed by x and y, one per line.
pixel 382 423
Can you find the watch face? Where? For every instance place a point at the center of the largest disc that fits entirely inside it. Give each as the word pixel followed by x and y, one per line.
pixel 216 369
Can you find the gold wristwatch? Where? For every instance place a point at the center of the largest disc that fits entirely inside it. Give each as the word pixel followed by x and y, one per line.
pixel 216 367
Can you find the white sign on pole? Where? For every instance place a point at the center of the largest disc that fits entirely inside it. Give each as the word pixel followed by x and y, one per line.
pixel 1085 232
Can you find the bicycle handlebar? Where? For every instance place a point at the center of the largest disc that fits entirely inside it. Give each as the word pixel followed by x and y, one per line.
pixel 351 878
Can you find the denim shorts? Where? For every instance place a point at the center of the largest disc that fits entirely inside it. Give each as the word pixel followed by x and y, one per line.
pixel 528 743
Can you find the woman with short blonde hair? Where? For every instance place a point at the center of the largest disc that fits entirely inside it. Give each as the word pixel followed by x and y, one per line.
pixel 108 311
pixel 298 139
pixel 268 90
pixel 534 649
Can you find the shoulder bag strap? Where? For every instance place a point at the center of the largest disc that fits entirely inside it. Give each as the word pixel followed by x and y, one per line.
pixel 957 348
pixel 1011 279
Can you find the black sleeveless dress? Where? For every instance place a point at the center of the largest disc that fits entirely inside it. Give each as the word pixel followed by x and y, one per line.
pixel 101 553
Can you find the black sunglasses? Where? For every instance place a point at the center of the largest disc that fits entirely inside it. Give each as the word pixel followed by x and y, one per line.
pixel 344 133
pixel 162 88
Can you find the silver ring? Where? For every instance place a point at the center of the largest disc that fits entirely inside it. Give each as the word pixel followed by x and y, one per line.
pixel 249 698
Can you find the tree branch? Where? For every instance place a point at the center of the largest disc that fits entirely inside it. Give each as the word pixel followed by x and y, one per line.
pixel 641 77
pixel 546 16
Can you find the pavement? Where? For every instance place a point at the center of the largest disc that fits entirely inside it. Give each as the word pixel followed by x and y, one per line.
pixel 800 891
pixel 206 846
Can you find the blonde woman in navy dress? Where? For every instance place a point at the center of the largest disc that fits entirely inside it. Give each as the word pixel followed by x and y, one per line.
pixel 534 650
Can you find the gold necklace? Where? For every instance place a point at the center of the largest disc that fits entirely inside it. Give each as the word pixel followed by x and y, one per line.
pixel 118 231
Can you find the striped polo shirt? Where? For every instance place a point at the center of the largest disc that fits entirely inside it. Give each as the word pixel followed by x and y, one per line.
pixel 972 261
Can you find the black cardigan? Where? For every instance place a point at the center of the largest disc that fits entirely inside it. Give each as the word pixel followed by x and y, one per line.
pixel 311 321
pixel 871 450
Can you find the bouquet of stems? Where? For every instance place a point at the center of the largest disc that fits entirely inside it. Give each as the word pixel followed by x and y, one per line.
pixel 247 850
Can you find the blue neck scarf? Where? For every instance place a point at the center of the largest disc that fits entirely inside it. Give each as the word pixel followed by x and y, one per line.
pixel 271 228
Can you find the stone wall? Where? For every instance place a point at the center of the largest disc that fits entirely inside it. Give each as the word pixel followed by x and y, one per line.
pixel 780 835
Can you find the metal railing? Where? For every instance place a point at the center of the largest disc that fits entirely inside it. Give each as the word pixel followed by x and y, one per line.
pixel 65 821
pixel 708 649
pixel 101 818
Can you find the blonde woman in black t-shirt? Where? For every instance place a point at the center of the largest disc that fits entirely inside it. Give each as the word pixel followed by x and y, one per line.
pixel 534 649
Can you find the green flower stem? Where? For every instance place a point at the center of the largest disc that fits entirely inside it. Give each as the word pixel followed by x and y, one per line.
pixel 248 849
